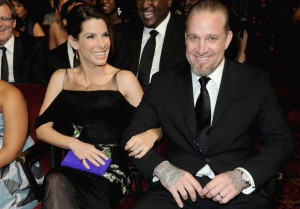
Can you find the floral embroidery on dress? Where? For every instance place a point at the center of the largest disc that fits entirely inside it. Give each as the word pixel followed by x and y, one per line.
pixel 113 174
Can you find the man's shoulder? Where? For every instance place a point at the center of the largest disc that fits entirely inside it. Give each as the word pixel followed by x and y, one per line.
pixel 28 42
pixel 178 71
pixel 59 49
pixel 127 27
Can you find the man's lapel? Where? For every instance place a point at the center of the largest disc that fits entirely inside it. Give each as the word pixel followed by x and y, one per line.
pixel 228 90
pixel 135 49
pixel 183 92
pixel 17 59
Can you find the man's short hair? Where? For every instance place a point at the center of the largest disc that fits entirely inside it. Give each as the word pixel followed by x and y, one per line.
pixel 212 6
pixel 11 7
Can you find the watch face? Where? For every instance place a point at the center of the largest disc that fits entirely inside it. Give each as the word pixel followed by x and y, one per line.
pixel 245 178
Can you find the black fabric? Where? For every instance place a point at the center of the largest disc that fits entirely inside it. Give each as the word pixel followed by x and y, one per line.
pixel 147 59
pixel 203 116
pixel 76 61
pixel 4 65
pixel 103 114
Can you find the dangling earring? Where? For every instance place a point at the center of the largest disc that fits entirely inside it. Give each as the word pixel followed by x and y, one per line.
pixel 76 54
pixel 119 11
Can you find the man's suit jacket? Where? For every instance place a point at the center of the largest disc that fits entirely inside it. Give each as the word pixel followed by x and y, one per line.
pixel 128 39
pixel 30 61
pixel 59 58
pixel 246 105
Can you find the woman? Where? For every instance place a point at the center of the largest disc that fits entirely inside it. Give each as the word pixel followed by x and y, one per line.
pixel 14 186
pixel 24 22
pixel 57 30
pixel 111 9
pixel 85 110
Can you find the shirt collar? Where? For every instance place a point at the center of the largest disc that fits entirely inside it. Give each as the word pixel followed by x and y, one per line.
pixel 161 28
pixel 9 45
pixel 215 77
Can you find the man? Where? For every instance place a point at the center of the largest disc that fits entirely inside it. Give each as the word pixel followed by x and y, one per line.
pixel 186 5
pixel 23 59
pixel 215 166
pixel 130 40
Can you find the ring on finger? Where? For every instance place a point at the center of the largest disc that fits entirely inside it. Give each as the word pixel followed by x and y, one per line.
pixel 81 160
pixel 221 196
pixel 138 151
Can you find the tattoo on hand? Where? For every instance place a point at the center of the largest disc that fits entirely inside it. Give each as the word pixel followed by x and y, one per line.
pixel 236 180
pixel 168 174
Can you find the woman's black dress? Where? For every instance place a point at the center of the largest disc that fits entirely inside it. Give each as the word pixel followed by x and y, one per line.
pixel 99 118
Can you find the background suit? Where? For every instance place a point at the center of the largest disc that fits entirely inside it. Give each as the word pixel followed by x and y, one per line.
pixel 246 105
pixel 59 58
pixel 127 44
pixel 30 61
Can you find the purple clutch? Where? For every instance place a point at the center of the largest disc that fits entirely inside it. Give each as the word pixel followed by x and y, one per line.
pixel 72 161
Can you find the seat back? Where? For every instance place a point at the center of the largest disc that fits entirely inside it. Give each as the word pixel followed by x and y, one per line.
pixel 34 96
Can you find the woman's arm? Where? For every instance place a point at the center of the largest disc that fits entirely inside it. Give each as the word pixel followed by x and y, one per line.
pixel 15 116
pixel 38 30
pixel 130 87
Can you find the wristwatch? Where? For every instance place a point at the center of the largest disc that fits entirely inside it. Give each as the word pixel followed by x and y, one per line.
pixel 245 178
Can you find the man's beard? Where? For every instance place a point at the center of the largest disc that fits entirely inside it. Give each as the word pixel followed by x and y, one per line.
pixel 200 71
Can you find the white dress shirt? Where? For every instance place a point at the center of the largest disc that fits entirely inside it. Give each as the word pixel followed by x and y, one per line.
pixel 70 54
pixel 9 45
pixel 213 87
pixel 161 29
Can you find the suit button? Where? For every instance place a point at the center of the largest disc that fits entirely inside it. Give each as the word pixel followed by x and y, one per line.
pixel 207 160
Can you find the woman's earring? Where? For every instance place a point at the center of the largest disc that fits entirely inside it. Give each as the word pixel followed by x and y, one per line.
pixel 76 54
pixel 119 11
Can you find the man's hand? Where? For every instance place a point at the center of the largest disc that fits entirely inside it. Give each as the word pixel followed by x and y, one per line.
pixel 224 187
pixel 177 181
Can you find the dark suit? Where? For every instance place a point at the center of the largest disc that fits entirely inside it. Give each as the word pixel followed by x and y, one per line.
pixel 128 39
pixel 246 104
pixel 30 61
pixel 59 58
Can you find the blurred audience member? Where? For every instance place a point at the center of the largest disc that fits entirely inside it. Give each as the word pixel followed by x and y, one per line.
pixel 57 30
pixel 23 59
pixel 131 38
pixel 25 22
pixel 14 186
pixel 51 16
pixel 186 5
pixel 64 56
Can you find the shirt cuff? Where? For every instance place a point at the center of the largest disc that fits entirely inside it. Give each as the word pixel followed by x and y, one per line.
pixel 251 188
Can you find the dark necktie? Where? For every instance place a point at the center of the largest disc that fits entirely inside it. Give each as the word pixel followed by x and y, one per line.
pixel 4 65
pixel 146 60
pixel 203 116
pixel 76 61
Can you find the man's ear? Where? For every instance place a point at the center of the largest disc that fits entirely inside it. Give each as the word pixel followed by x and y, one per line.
pixel 169 3
pixel 73 42
pixel 228 39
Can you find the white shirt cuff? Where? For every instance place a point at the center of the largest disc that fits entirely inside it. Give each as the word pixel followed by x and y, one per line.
pixel 251 188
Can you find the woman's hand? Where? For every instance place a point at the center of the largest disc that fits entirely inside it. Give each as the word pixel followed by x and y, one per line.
pixel 141 143
pixel 85 151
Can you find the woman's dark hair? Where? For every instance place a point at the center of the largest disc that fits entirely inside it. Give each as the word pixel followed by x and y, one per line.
pixel 80 13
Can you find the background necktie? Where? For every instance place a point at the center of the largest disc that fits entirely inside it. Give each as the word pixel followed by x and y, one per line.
pixel 76 61
pixel 203 116
pixel 4 65
pixel 146 60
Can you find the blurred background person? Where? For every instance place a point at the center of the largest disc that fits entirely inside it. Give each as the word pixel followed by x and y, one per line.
pixel 14 186
pixel 57 30
pixel 25 21
pixel 51 15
